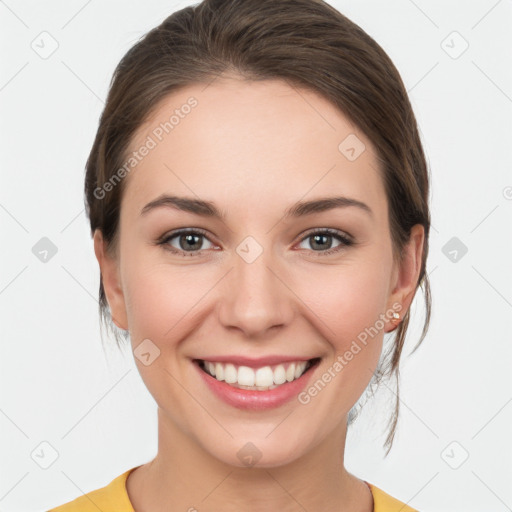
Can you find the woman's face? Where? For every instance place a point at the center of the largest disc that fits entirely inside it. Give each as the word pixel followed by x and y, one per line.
pixel 254 280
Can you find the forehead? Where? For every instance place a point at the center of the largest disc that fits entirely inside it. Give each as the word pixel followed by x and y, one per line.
pixel 247 140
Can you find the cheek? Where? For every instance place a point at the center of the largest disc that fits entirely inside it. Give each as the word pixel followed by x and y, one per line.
pixel 348 299
pixel 160 299
pixel 349 303
pixel 162 305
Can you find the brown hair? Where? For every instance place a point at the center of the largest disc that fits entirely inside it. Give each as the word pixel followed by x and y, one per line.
pixel 308 44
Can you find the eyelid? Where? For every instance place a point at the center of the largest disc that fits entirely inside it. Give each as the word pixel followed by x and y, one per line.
pixel 330 231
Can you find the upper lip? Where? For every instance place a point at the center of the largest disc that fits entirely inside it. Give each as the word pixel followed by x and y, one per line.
pixel 254 362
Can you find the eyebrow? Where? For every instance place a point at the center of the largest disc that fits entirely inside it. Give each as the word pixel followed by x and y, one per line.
pixel 208 209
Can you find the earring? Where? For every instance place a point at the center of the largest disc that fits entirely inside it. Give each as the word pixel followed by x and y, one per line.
pixel 396 318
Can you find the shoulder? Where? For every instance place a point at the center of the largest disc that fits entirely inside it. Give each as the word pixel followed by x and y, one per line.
pixel 111 497
pixel 383 502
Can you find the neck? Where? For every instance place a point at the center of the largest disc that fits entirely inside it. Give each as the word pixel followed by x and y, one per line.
pixel 184 476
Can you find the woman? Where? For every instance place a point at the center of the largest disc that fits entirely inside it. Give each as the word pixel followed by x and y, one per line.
pixel 258 199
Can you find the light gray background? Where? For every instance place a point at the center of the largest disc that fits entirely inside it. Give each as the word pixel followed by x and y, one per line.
pixel 57 387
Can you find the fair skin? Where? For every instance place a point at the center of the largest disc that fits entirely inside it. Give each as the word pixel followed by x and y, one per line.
pixel 253 149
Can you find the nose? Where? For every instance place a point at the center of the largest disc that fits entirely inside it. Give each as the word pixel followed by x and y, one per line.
pixel 255 297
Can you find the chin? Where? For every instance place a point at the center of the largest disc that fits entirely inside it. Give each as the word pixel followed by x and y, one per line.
pixel 255 452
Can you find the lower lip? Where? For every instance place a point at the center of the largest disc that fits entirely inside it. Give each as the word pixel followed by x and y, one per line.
pixel 253 399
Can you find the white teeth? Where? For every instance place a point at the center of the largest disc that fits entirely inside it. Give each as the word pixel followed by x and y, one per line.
pixel 290 372
pixel 219 371
pixel 230 374
pixel 279 375
pixel 246 376
pixel 261 378
pixel 299 369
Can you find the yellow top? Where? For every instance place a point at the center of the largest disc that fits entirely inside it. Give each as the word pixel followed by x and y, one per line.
pixel 114 498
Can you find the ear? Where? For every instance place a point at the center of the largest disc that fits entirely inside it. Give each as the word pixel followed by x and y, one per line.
pixel 406 273
pixel 111 282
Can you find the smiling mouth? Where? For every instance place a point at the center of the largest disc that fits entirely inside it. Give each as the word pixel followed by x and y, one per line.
pixel 259 379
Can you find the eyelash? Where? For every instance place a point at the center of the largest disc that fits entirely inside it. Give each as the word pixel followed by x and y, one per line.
pixel 345 240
